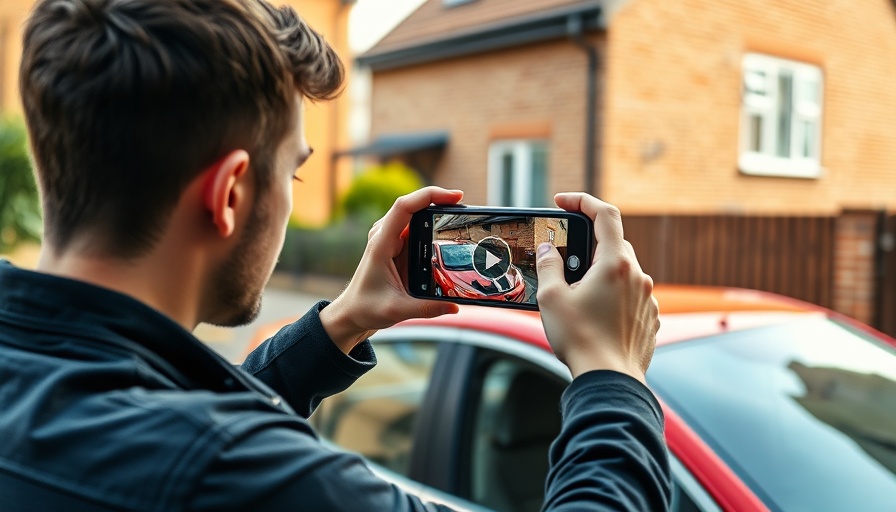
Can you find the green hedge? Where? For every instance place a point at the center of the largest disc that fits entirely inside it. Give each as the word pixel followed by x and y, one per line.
pixel 20 218
pixel 372 193
pixel 335 250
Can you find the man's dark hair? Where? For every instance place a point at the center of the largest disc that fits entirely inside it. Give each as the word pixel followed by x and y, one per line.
pixel 127 101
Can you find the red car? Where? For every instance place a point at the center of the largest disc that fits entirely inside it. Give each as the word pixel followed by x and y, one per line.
pixel 770 404
pixel 454 275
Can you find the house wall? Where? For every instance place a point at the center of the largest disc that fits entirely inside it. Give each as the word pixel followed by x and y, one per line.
pixel 325 123
pixel 12 20
pixel 673 95
pixel 536 91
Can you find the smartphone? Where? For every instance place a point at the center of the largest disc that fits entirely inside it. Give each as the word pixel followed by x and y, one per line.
pixel 486 255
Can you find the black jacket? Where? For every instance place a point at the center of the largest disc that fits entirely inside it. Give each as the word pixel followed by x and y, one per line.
pixel 106 404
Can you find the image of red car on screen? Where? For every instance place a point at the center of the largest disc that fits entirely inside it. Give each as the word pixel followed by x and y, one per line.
pixel 455 275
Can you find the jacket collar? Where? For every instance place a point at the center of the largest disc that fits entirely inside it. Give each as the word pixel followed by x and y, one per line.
pixel 49 303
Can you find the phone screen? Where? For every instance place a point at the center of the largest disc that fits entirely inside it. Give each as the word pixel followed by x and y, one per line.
pixel 489 257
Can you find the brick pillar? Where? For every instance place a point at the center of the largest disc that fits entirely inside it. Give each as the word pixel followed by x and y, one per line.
pixel 854 282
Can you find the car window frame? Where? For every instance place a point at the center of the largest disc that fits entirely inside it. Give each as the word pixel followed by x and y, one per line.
pixel 687 482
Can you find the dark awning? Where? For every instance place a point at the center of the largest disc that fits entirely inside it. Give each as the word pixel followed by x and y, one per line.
pixel 392 144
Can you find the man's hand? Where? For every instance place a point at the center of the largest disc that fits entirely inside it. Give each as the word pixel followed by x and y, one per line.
pixel 609 319
pixel 377 296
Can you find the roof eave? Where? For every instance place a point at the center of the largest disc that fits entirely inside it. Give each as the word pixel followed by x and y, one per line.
pixel 546 26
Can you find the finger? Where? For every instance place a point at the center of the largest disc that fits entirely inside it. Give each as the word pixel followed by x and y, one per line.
pixel 607 219
pixel 549 267
pixel 399 216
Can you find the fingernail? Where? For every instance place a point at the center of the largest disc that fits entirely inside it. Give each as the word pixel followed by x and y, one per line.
pixel 544 248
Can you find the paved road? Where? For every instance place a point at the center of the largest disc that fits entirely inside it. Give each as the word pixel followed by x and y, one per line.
pixel 281 300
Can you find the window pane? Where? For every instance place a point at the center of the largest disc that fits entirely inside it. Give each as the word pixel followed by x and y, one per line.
pixel 538 195
pixel 516 418
pixel 803 412
pixel 376 416
pixel 785 112
pixel 756 82
pixel 755 136
pixel 507 171
pixel 810 134
pixel 809 91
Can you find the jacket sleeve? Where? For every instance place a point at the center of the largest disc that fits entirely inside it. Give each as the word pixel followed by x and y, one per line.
pixel 611 452
pixel 610 455
pixel 279 465
pixel 303 365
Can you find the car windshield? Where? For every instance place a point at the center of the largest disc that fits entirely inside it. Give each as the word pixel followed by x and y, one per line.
pixel 458 257
pixel 803 412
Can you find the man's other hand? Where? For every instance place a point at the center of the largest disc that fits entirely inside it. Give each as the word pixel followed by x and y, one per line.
pixel 609 319
pixel 377 296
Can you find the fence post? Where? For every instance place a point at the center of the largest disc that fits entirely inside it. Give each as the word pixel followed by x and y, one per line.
pixel 885 261
pixel 854 264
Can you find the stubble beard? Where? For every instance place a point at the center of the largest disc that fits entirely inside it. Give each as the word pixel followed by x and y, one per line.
pixel 238 285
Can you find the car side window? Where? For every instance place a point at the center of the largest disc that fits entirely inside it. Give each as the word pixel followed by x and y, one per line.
pixel 377 414
pixel 515 418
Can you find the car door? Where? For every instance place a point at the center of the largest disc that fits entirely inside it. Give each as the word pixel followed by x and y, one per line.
pixel 378 415
pixel 498 433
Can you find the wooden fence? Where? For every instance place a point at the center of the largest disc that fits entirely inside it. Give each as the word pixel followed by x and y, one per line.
pixel 793 256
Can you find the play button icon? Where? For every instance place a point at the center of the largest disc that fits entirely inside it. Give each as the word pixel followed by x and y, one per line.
pixel 491 258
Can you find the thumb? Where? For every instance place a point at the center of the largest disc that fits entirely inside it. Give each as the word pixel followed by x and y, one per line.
pixel 549 267
pixel 434 308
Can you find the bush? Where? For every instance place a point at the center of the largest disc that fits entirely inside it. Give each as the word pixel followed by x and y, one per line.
pixel 334 250
pixel 20 218
pixel 372 193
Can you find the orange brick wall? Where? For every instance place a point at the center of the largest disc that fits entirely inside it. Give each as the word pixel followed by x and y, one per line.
pixel 12 19
pixel 534 90
pixel 673 104
pixel 326 123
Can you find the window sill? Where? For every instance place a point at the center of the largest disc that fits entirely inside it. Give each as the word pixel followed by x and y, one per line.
pixel 763 165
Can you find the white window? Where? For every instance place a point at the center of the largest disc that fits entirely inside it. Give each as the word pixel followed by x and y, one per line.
pixel 518 173
pixel 781 118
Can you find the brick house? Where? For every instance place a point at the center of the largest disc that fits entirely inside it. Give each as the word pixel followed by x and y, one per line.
pixel 757 107
pixel 731 108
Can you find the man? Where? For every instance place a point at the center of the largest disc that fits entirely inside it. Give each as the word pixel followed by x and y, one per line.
pixel 165 135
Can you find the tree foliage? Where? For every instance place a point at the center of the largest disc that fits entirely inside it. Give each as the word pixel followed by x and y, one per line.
pixel 372 193
pixel 20 218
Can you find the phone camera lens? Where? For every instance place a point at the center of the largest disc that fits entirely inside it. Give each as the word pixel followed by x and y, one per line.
pixel 573 262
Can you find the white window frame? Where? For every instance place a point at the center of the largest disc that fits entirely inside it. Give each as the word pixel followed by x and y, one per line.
pixel 761 97
pixel 521 196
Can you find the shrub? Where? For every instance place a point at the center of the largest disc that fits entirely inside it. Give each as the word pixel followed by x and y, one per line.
pixel 372 193
pixel 334 250
pixel 20 218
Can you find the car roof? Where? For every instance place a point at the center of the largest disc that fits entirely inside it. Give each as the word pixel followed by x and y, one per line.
pixel 686 312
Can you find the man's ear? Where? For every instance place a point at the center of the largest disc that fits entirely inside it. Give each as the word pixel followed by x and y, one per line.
pixel 222 191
